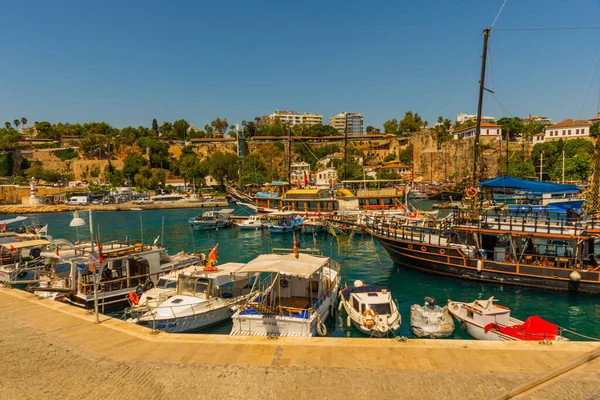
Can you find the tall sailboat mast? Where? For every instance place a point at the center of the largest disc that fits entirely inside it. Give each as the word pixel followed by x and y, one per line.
pixel 486 35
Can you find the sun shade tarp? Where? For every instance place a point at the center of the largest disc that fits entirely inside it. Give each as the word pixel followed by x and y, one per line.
pixel 286 264
pixel 534 328
pixel 12 220
pixel 509 182
pixel 25 243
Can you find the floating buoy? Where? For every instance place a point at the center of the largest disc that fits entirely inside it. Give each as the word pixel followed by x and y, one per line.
pixel 575 276
pixel 348 321
pixel 358 283
pixel 479 265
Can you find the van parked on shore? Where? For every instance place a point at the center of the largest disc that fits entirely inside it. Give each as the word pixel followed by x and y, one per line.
pixel 78 201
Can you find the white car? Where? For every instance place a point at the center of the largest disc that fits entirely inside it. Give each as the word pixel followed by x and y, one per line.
pixel 143 201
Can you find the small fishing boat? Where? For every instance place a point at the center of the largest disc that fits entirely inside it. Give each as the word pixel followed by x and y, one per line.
pixel 485 320
pixel 313 225
pixel 431 320
pixel 284 222
pixel 209 220
pixel 296 295
pixel 254 222
pixel 204 297
pixel 371 309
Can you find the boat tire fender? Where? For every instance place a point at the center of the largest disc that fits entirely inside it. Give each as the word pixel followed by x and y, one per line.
pixel 283 283
pixel 139 290
pixel 148 285
pixel 321 328
pixel 22 274
pixel 463 325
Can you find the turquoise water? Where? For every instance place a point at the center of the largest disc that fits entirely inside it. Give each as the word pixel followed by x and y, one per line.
pixel 363 259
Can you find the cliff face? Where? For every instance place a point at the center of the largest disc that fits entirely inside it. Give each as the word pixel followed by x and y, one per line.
pixel 453 160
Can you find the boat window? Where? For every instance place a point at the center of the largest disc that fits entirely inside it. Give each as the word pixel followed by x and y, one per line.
pixel 355 303
pixel 469 314
pixel 373 202
pixel 383 308
pixel 372 294
pixel 176 301
pixel 166 284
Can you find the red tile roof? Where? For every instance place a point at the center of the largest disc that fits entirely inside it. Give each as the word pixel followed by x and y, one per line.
pixel 483 125
pixel 569 123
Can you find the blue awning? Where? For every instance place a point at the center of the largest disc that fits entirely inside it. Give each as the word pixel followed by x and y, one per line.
pixel 509 182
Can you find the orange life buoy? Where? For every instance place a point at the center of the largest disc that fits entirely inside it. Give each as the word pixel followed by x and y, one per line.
pixel 410 246
pixel 442 251
pixel 471 193
pixel 423 248
pixel 133 298
pixel 369 318
pixel 413 214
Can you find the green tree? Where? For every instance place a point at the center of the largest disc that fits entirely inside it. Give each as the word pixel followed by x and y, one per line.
pixel 578 168
pixel 223 167
pixel 166 129
pixel 180 128
pixel 7 125
pixel 253 170
pixel 354 171
pixel 191 168
pixel 442 130
pixel 410 123
pixel 132 164
pixel 17 122
pixel 155 125
pixel 113 175
pixel 511 126
pixel 391 126
pixel 24 121
pixel 372 130
pixel 595 129
pixel 220 126
pixel 406 155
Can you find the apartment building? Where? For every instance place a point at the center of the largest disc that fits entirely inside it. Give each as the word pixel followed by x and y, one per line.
pixel 567 129
pixel 347 122
pixel 295 118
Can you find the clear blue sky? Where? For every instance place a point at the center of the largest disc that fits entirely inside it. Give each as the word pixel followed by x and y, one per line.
pixel 128 61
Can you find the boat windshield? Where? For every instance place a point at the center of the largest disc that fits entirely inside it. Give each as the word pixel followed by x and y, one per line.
pixel 381 308
pixel 166 284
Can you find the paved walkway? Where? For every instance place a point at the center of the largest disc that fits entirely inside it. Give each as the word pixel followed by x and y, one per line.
pixel 53 350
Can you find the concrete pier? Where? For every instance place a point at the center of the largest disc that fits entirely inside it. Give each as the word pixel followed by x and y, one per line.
pixel 53 350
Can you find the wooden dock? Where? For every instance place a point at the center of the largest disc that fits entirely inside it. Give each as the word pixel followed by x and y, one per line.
pixel 54 350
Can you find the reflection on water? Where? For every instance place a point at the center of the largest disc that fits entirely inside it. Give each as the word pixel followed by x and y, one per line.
pixel 363 259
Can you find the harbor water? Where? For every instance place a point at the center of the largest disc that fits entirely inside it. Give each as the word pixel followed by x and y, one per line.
pixel 362 258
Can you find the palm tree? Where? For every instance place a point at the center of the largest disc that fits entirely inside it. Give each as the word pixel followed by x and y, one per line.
pixel 17 122
pixel 7 125
pixel 24 121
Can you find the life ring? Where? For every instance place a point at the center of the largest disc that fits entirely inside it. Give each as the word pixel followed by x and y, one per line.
pixel 133 298
pixel 471 193
pixel 22 274
pixel 413 214
pixel 423 248
pixel 139 290
pixel 442 251
pixel 283 283
pixel 369 318
pixel 463 325
pixel 410 246
pixel 148 285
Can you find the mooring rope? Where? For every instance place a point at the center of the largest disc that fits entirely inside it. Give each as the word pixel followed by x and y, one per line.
pixel 579 334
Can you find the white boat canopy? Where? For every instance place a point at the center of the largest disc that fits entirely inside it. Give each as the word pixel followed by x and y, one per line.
pixel 25 243
pixel 304 265
pixel 13 220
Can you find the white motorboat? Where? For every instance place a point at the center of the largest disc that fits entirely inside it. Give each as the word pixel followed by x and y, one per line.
pixel 485 320
pixel 296 296
pixel 371 309
pixel 21 260
pixel 313 225
pixel 284 222
pixel 254 222
pixel 211 220
pixel 431 320
pixel 206 296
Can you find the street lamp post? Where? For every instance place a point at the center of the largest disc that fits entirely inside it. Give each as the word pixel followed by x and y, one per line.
pixel 77 222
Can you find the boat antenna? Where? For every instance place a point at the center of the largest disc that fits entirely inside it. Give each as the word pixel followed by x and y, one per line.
pixel 193 241
pixel 486 35
pixel 142 228
pixel 162 233
pixel 592 198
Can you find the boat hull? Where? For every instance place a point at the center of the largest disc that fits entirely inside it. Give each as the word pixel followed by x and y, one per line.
pixel 189 323
pixel 209 227
pixel 310 229
pixel 429 258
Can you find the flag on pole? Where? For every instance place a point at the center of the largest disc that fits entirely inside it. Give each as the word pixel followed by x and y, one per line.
pixel 295 245
pixel 100 258
pixel 12 248
pixel 56 251
pixel 305 179
pixel 212 256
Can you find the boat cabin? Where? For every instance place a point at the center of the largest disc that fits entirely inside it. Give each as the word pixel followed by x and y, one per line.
pixel 224 282
pixel 364 298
